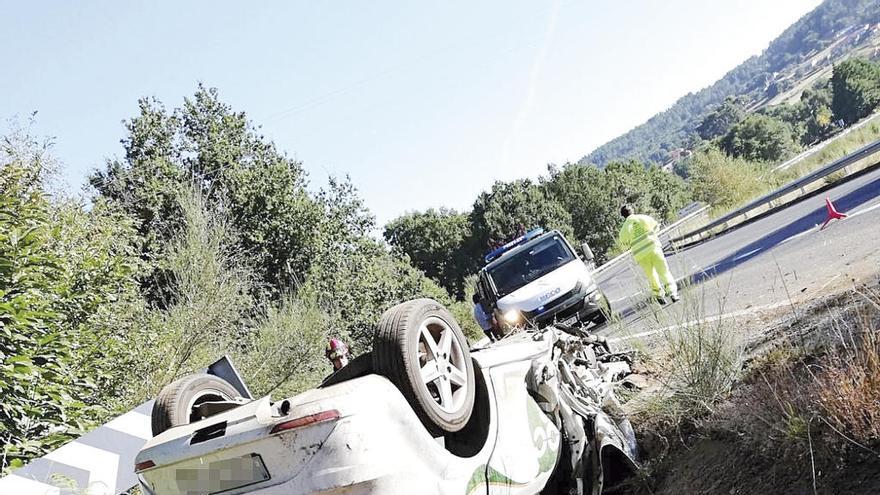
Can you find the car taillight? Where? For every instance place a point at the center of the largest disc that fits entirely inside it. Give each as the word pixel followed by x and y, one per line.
pixel 144 465
pixel 306 421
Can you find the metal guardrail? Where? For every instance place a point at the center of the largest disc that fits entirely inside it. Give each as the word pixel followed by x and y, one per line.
pixel 665 230
pixel 788 188
pixel 820 146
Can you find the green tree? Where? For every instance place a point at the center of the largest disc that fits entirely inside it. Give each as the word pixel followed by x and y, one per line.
pixel 355 278
pixel 435 242
pixel 722 118
pixel 760 137
pixel 816 113
pixel 594 196
pixel 856 87
pixel 243 177
pixel 509 207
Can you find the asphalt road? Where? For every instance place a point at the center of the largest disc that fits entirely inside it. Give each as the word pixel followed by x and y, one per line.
pixel 781 258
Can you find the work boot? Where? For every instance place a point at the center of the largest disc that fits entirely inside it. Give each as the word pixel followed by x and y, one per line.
pixel 674 297
pixel 660 300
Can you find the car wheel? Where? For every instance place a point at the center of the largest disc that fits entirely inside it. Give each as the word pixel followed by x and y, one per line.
pixel 601 316
pixel 175 404
pixel 419 346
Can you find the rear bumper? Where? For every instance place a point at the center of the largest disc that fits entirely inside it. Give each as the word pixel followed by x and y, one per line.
pixel 377 445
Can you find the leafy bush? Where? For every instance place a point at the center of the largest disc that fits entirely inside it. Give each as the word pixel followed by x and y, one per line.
pixel 66 298
pixel 760 137
pixel 284 355
pixel 856 86
pixel 723 181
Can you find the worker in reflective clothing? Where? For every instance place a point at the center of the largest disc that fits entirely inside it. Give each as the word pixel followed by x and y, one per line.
pixel 639 234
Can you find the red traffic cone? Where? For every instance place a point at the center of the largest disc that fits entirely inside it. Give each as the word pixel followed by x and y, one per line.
pixel 832 213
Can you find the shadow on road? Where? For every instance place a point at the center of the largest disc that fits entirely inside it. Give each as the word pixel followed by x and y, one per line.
pixel 760 246
pixel 809 221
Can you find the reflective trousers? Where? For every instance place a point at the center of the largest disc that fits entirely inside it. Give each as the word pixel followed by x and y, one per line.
pixel 656 269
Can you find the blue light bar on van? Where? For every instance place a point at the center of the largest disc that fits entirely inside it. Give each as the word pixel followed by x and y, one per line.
pixel 495 253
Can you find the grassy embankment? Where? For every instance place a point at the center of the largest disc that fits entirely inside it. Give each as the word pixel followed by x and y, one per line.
pixel 793 407
pixel 752 180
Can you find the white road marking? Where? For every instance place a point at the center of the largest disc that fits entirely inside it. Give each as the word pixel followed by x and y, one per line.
pixel 746 254
pixel 132 423
pixel 808 231
pixel 614 301
pixel 709 319
pixel 20 485
pixel 102 465
pixel 864 210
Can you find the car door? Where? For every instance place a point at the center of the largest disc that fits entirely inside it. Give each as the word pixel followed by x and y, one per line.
pixel 528 443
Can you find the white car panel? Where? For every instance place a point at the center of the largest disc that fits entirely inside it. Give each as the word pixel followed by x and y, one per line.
pixel 528 443
pixel 377 445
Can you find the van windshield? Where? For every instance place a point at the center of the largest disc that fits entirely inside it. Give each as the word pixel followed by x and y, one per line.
pixel 516 270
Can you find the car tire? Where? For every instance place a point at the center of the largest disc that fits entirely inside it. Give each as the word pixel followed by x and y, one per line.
pixel 174 404
pixel 436 377
pixel 601 316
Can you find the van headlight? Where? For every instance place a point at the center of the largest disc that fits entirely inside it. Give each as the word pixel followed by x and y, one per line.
pixel 513 316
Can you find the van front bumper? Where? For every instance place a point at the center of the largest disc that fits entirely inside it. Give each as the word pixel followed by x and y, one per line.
pixel 577 307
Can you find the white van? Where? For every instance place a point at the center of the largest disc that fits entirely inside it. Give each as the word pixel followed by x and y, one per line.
pixel 538 278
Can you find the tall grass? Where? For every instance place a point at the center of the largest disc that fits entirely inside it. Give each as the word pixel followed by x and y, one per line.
pixel 208 304
pixel 703 356
pixel 696 356
pixel 278 346
pixel 848 382
pixel 838 148
pixel 284 354
pixel 726 182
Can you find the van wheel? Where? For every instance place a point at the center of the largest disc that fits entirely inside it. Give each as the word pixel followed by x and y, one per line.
pixel 601 316
pixel 419 346
pixel 176 403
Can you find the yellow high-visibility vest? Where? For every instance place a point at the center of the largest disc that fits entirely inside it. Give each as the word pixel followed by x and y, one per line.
pixel 639 234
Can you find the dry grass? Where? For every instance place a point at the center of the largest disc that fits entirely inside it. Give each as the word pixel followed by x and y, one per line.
pixel 848 384
pixel 703 363
pixel 807 402
pixel 696 358
pixel 828 379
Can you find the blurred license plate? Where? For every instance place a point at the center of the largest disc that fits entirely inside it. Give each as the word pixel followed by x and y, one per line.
pixel 220 476
pixel 570 321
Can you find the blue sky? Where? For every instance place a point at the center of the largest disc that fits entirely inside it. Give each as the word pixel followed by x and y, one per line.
pixel 423 104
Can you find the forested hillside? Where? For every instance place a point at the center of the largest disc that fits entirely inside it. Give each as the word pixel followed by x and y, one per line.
pixel 733 162
pixel 819 39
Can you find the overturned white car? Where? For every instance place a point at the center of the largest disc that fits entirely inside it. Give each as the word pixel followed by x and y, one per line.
pixel 534 412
